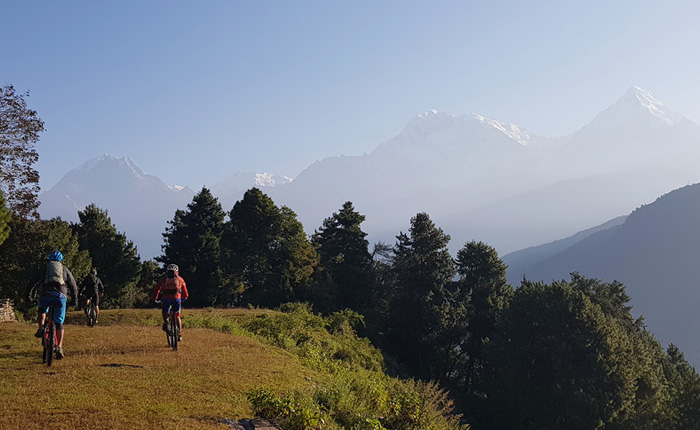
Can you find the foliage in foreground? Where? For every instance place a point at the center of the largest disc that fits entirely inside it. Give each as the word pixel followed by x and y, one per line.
pixel 359 401
pixel 356 394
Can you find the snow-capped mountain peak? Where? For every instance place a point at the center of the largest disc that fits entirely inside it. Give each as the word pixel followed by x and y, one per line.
pixel 652 104
pixel 108 161
pixel 635 109
pixel 510 130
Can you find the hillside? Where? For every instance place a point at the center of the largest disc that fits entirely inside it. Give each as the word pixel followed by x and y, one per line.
pixel 125 376
pixel 233 364
pixel 655 253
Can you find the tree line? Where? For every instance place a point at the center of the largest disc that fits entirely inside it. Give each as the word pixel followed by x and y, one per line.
pixel 561 355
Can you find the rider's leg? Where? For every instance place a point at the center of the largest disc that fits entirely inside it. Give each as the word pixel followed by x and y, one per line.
pixel 59 315
pixel 165 318
pixel 59 336
pixel 41 316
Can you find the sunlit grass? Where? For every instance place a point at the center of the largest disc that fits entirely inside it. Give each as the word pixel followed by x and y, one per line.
pixel 121 374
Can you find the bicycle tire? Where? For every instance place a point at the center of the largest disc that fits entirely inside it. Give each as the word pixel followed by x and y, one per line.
pixel 92 317
pixel 50 343
pixel 44 346
pixel 173 329
pixel 167 331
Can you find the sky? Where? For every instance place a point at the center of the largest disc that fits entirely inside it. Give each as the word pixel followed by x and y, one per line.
pixel 196 91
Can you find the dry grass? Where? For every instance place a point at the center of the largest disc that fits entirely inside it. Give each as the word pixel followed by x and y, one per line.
pixel 121 375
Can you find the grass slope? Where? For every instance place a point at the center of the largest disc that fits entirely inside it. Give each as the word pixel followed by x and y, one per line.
pixel 121 374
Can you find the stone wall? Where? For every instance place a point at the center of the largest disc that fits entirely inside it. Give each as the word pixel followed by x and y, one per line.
pixel 7 313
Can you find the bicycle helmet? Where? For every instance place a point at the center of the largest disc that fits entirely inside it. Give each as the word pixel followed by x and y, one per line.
pixel 93 271
pixel 173 267
pixel 56 256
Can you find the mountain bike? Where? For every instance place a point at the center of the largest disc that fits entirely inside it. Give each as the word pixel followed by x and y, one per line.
pixel 91 313
pixel 49 341
pixel 172 328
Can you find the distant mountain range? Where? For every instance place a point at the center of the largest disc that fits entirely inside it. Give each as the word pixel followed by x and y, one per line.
pixel 654 251
pixel 478 179
pixel 493 181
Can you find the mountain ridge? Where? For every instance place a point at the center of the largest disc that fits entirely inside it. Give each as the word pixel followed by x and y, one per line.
pixel 654 252
pixel 462 169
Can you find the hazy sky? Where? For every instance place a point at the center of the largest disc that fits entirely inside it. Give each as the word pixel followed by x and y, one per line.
pixel 196 91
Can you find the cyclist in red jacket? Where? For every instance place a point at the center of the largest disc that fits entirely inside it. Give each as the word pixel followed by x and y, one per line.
pixel 172 291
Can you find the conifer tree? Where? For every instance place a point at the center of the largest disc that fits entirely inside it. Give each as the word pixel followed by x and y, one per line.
pixel 113 255
pixel 344 253
pixel 563 357
pixel 267 252
pixel 685 391
pixel 482 293
pixel 192 241
pixel 420 303
pixel 23 256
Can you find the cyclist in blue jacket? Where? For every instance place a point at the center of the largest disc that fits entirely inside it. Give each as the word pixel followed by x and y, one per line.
pixel 55 291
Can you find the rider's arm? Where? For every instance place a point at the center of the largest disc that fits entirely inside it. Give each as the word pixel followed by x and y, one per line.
pixel 71 281
pixel 100 286
pixel 184 292
pixel 158 287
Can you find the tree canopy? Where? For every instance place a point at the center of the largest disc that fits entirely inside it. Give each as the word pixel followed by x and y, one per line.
pixel 24 254
pixel 113 255
pixel 192 241
pixel 19 132
pixel 5 219
pixel 266 251
pixel 420 302
pixel 344 252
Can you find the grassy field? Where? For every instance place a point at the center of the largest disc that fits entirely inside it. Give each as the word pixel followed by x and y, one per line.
pixel 122 375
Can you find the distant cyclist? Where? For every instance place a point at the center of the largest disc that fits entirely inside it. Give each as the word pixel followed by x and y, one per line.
pixel 92 290
pixel 172 291
pixel 55 291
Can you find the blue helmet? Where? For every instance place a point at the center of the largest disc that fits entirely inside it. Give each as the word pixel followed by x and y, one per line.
pixel 56 256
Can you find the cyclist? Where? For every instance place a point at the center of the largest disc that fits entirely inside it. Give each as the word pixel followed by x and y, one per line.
pixel 172 291
pixel 92 290
pixel 54 291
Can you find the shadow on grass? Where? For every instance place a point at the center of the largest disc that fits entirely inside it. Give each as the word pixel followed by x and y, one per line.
pixel 135 366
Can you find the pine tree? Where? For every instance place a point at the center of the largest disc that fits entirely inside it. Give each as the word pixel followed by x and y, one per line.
pixel 113 255
pixel 266 251
pixel 481 295
pixel 24 254
pixel 420 303
pixel 563 358
pixel 344 253
pixel 192 241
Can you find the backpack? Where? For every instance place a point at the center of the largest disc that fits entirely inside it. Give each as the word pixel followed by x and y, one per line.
pixel 54 273
pixel 172 285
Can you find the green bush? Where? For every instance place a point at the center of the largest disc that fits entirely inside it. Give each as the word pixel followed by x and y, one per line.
pixel 360 400
pixel 323 342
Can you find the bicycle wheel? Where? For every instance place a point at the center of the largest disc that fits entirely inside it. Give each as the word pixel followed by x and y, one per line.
pixel 173 329
pixel 45 345
pixel 50 341
pixel 167 331
pixel 92 314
